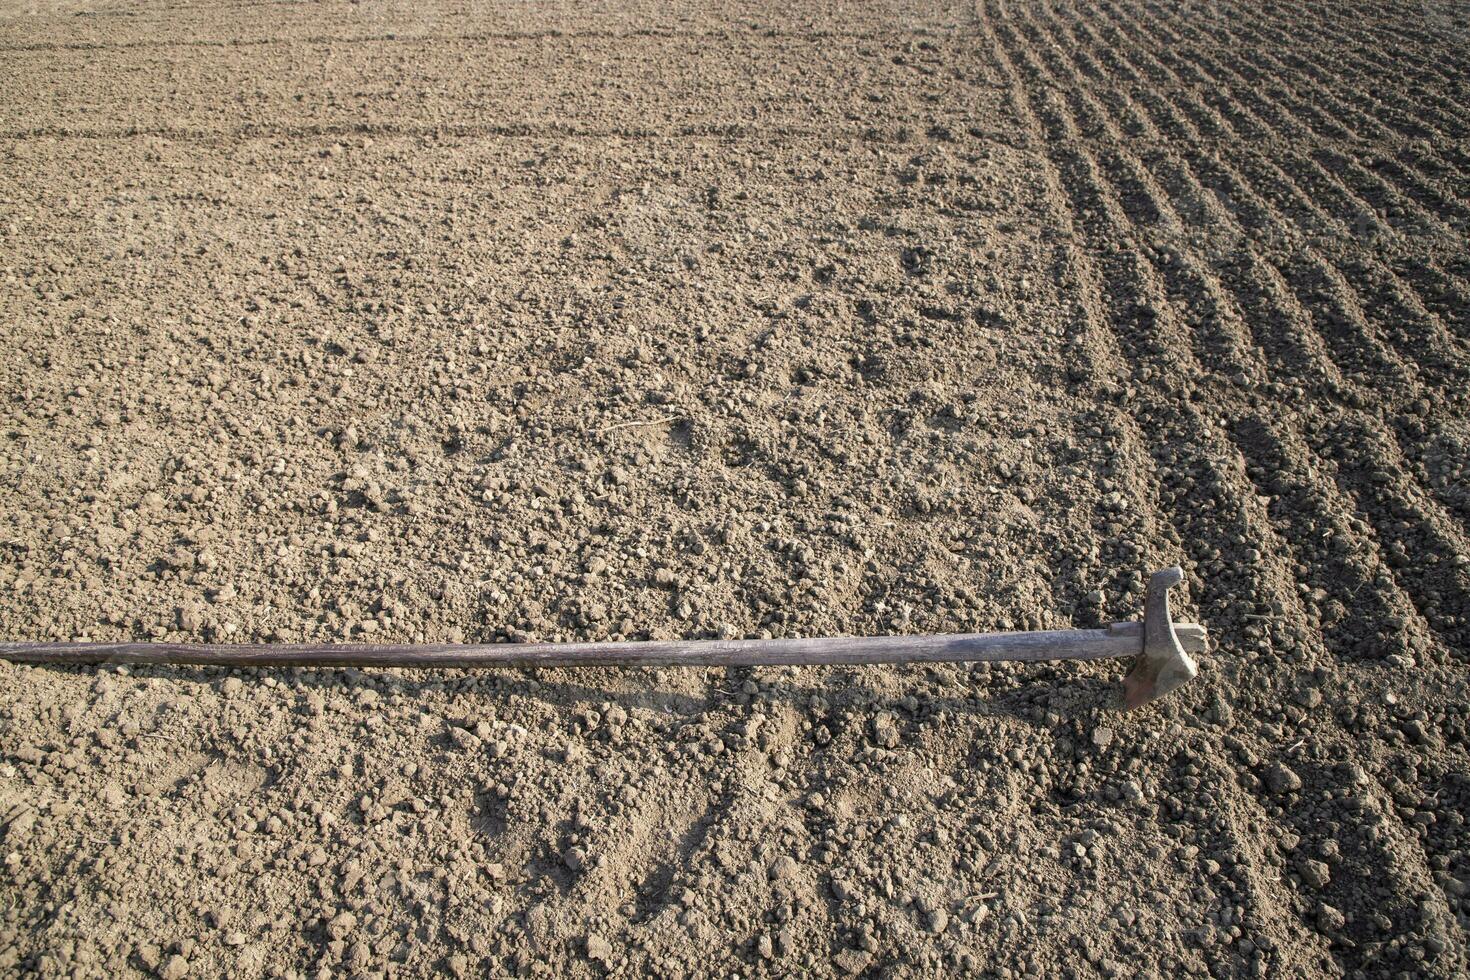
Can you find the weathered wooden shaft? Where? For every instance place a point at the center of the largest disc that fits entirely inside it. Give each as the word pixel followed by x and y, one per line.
pixel 1120 640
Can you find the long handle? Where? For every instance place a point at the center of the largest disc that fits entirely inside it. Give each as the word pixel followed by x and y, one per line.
pixel 1120 640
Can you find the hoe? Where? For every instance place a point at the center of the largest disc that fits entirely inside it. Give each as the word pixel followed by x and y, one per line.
pixel 1160 649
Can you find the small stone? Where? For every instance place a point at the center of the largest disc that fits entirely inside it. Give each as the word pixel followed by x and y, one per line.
pixel 1329 919
pixel 599 948
pixel 851 961
pixel 234 939
pixel 149 955
pixel 20 826
pixel 1315 873
pixel 615 716
pixel 1280 779
pixel 1102 737
pixel 938 921
pixel 465 739
pixel 885 731
pixel 784 867
pixel 174 968
pixel 574 858
pixel 341 925
pixel 1308 697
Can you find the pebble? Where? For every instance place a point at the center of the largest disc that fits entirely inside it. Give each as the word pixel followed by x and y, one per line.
pixel 1280 779
pixel 20 826
pixel 341 925
pixel 574 858
pixel 784 867
pixel 885 732
pixel 599 948
pixel 1315 873
pixel 466 740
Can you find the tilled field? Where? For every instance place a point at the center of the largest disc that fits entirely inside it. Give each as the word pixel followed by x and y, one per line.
pixel 460 322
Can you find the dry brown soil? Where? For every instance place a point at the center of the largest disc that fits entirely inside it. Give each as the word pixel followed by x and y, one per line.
pixel 546 320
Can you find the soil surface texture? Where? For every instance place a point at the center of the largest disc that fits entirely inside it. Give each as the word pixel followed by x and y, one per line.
pixel 441 322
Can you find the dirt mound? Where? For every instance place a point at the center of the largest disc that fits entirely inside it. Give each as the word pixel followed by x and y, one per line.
pixel 443 322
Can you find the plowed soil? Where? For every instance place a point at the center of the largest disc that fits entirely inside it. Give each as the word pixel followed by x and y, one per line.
pixel 482 322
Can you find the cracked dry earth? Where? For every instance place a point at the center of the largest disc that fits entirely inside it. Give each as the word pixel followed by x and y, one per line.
pixel 535 321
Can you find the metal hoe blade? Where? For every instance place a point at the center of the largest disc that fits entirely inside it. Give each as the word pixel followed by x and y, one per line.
pixel 1163 666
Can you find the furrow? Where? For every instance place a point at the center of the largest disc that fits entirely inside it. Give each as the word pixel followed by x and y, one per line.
pixel 1206 500
pixel 1336 314
pixel 1255 48
pixel 1374 471
pixel 1138 529
pixel 1426 344
pixel 1385 61
pixel 1433 194
pixel 1275 127
pixel 1189 55
pixel 1231 345
pixel 1267 298
pixel 1422 544
pixel 1374 840
pixel 1343 580
pixel 1399 57
pixel 1396 209
pixel 1162 117
pixel 1228 345
pixel 1362 354
pixel 1441 290
pixel 1377 451
pixel 1396 313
